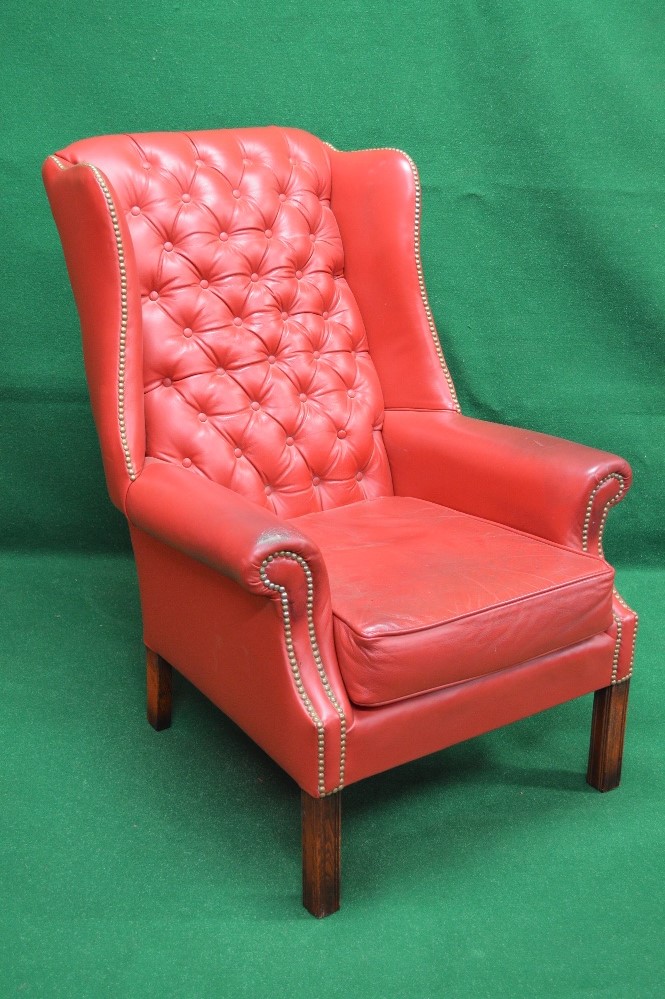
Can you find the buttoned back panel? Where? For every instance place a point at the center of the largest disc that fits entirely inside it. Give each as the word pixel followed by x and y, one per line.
pixel 256 365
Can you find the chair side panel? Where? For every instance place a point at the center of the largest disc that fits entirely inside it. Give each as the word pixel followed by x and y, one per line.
pixel 377 202
pixel 100 263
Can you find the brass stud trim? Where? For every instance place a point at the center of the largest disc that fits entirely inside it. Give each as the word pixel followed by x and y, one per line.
pixel 610 503
pixel 124 316
pixel 124 309
pixel 295 669
pixel 617 647
pixel 635 627
pixel 419 266
pixel 421 277
pixel 618 496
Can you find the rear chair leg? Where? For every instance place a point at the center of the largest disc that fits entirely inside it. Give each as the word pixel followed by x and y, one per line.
pixel 321 853
pixel 608 726
pixel 159 690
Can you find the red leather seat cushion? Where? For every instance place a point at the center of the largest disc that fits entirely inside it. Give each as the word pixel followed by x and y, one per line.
pixel 424 596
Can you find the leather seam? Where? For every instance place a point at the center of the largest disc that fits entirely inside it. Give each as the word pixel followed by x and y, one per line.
pixel 124 316
pixel 295 669
pixel 635 627
pixel 610 503
pixel 469 614
pixel 124 312
pixel 471 679
pixel 617 647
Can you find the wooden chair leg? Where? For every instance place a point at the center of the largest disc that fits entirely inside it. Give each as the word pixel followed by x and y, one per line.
pixel 607 731
pixel 158 676
pixel 321 853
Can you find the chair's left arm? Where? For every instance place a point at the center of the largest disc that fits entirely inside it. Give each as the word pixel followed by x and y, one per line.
pixel 536 483
pixel 271 559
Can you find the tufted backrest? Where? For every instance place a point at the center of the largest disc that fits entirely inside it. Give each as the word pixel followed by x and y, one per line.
pixel 256 366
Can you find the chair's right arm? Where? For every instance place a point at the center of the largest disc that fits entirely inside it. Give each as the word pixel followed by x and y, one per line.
pixel 534 482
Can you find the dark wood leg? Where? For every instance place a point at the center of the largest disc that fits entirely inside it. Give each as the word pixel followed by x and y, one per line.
pixel 158 676
pixel 607 731
pixel 321 853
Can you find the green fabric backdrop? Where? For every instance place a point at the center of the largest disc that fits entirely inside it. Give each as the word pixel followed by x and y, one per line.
pixel 539 134
pixel 137 865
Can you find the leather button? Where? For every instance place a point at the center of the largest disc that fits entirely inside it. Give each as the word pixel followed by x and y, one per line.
pixel 299 274
pixel 136 210
pixel 302 397
pixel 325 315
pixel 341 434
pixel 187 462
pixel 186 198
pixel 153 296
pixel 285 315
pixel 166 382
pixel 237 321
pixel 235 192
pixel 289 441
pixel 223 236
pixel 316 481
pixel 205 284
pixel 272 359
pixel 254 277
pixel 267 490
pixel 187 332
pixel 268 233
pixel 198 162
pixel 146 166
pixel 282 196
pixel 312 236
pixel 255 406
pixel 351 394
pixel 316 355
pixel 359 476
pixel 202 417
pixel 237 452
pixel 168 247
pixel 219 371
pixel 247 162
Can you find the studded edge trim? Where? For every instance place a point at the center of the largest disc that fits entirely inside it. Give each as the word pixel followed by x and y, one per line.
pixel 612 501
pixel 419 263
pixel 124 310
pixel 295 669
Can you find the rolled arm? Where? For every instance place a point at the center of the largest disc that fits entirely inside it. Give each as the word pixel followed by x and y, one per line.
pixel 536 483
pixel 220 528
pixel 268 557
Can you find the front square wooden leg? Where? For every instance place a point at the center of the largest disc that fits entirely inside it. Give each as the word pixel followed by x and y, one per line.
pixel 321 853
pixel 158 677
pixel 608 727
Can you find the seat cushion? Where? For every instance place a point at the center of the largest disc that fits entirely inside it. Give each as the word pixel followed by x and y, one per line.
pixel 424 596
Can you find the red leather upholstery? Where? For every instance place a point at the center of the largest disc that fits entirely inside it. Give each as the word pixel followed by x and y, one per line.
pixel 418 590
pixel 255 360
pixel 250 301
pixel 533 482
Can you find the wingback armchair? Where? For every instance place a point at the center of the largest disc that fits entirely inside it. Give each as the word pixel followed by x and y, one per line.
pixel 345 565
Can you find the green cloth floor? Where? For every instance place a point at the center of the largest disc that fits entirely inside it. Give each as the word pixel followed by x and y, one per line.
pixel 137 864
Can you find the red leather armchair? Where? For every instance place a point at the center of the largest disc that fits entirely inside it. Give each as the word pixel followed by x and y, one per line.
pixel 353 571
